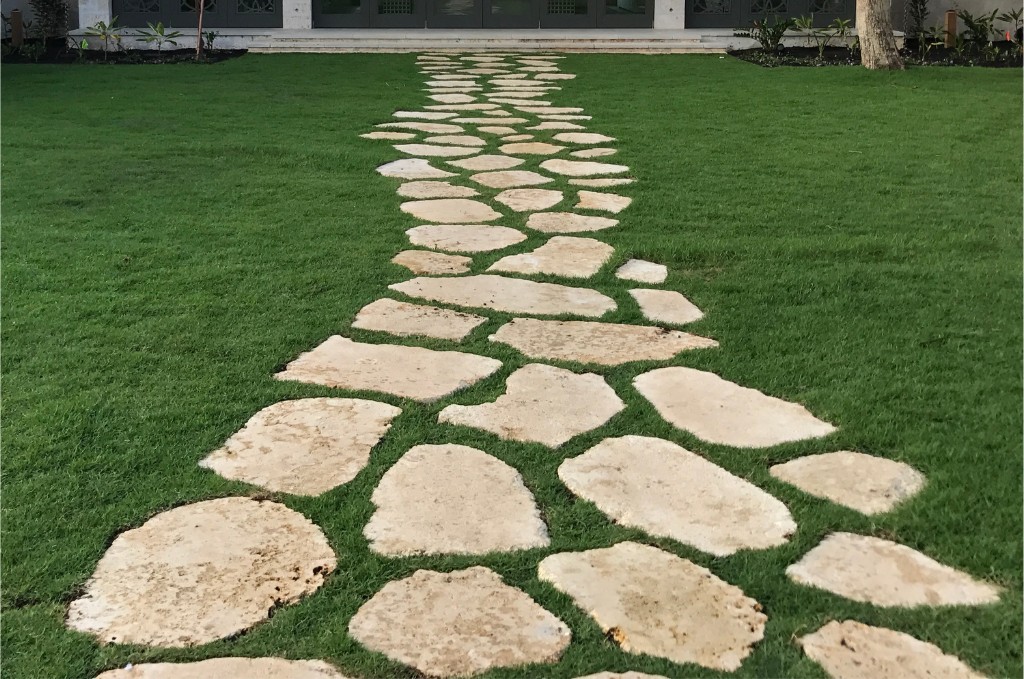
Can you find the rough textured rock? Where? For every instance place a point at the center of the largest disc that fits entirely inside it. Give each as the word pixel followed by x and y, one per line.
pixel 435 189
pixel 560 256
pixel 583 138
pixel 541 404
pixel 599 152
pixel 719 411
pixel 439 150
pixel 868 484
pixel 607 202
pixel 458 624
pixel 518 137
pixel 464 237
pixel 456 140
pixel 580 168
pixel 622 675
pixel 591 342
pixel 412 168
pixel 640 270
pixel 201 572
pixel 403 319
pixel 491 121
pixel 487 162
pixel 598 183
pixel 477 106
pixel 306 447
pixel 425 262
pixel 425 115
pixel 229 668
pixel 508 294
pixel 507 179
pixel 650 601
pixel 409 372
pixel 450 210
pixel 666 306
pixel 556 125
pixel 532 148
pixel 452 499
pixel 853 650
pixel 434 128
pixel 495 129
pixel 551 115
pixel 528 200
pixel 394 136
pixel 883 573
pixel 549 110
pixel 568 222
pixel 555 76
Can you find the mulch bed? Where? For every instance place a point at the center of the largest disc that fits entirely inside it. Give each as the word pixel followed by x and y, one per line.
pixel 1008 56
pixel 57 52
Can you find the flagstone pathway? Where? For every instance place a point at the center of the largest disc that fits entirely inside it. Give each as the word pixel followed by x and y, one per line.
pixel 212 569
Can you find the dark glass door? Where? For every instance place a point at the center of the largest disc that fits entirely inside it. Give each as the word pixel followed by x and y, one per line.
pixel 454 13
pixel 398 13
pixel 569 13
pixel 625 13
pixel 510 13
pixel 341 13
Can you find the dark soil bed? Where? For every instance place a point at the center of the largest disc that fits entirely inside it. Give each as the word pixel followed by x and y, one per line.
pixel 1003 55
pixel 57 52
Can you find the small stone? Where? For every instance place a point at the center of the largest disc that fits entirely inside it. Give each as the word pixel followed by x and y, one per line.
pixel 450 210
pixel 487 162
pixel 555 76
pixel 650 601
pixel 412 168
pixel 478 106
pixel 201 572
pixel 464 237
pixel 608 202
pixel 426 262
pixel 580 168
pixel 666 306
pixel 884 573
pixel 568 222
pixel 433 128
pixel 527 200
pixel 433 150
pixel 491 121
pixel 556 125
pixel 593 153
pixel 583 138
pixel 719 411
pixel 507 179
pixel 435 189
pixel 424 115
pixel 641 270
pixel 560 256
pixel 541 404
pixel 853 650
pixel 599 183
pixel 404 319
pixel 458 624
pixel 456 140
pixel 535 148
pixel 496 129
pixel 451 83
pixel 518 137
pixel 516 93
pixel 408 372
pixel 228 668
pixel 388 135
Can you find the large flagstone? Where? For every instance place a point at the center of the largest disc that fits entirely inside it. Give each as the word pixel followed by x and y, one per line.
pixel 464 237
pixel 666 306
pixel 606 202
pixel 450 210
pixel 568 222
pixel 432 263
pixel 435 128
pixel 436 150
pixel 640 270
pixel 528 200
pixel 583 138
pixel 580 168
pixel 535 148
pixel 507 179
pixel 435 189
pixel 405 319
pixel 560 256
pixel 487 162
pixel 412 168
pixel 228 668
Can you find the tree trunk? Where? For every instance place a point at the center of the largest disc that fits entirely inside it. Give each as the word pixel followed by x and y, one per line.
pixel 200 6
pixel 877 42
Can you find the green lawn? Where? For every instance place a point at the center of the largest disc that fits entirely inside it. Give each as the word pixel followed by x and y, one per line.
pixel 172 235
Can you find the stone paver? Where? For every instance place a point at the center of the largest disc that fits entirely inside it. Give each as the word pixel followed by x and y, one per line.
pixel 518 137
pixel 556 125
pixel 884 573
pixel 583 138
pixel 412 168
pixel 435 189
pixel 496 129
pixel 541 404
pixel 568 222
pixel 436 150
pixel 507 179
pixel 491 121
pixel 560 256
pixel 450 499
pixel 458 624
pixel 653 602
pixel 435 128
pixel 450 210
pixel 601 182
pixel 622 675
pixel 666 306
pixel 487 162
pixel 424 115
pixel 598 152
pixel 456 140
pixel 474 106
pixel 533 148
pixel 405 319
pixel 426 262
pixel 229 668
pixel 201 572
pixel 641 271
pixel 388 135
pixel 528 200
pixel 607 202
pixel 580 168
pixel 409 372
pixel 464 237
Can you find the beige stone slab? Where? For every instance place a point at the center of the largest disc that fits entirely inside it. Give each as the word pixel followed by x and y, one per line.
pixel 518 137
pixel 599 183
pixel 460 84
pixel 560 256
pixel 408 372
pixel 524 82
pixel 884 573
pixel 464 106
pixel 228 668
pixel 593 153
pixel 435 189
pixel 515 93
pixel 424 115
pixel 496 129
pixel 538 69
pixel 507 179
pixel 456 140
pixel 868 484
pixel 453 88
pixel 550 110
pixel 527 200
pixel 451 499
pixel 436 150
pixel 405 319
pixel 551 115
pixel 433 128
pixel 719 411
pixel 568 222
pixel 622 675
pixel 541 404
pixel 458 624
pixel 304 447
pixel 450 210
pixel 464 237
pixel 201 572
pixel 531 102
pixel 641 270
pixel 484 71
pixel 412 168
pixel 607 202
pixel 513 295
pixel 556 125
pixel 487 162
pixel 432 263
pixel 580 168
pixel 394 136
pixel 458 75
pixel 853 650
pixel 653 602
pixel 534 148
pixel 555 76
pixel 583 138
pixel 491 121
pixel 666 306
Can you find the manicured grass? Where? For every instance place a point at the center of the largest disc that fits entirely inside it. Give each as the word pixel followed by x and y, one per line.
pixel 174 234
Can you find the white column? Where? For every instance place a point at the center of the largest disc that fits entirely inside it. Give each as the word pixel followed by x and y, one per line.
pixel 669 14
pixel 297 13
pixel 93 11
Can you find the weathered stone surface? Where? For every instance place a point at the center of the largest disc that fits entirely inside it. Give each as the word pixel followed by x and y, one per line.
pixel 560 256
pixel 592 342
pixel 583 138
pixel 527 200
pixel 412 168
pixel 868 484
pixel 534 148
pixel 403 319
pixel 608 202
pixel 452 499
pixel 513 295
pixel 555 76
pixel 450 210
pixel 568 222
pixel 883 573
pixel 551 115
pixel 388 135
pixel 599 183
pixel 229 668
pixel 580 168
pixel 435 189
pixel 853 650
pixel 436 150
pixel 424 115
pixel 487 162
pixel 495 129
pixel 600 152
pixel 507 179
pixel 622 675
pixel 456 140
pixel 464 237
pixel 518 137
pixel 475 106
pixel 434 128
pixel 641 270
pixel 531 102
pixel 409 372
pixel 550 110
pixel 667 491
pixel 514 93
pixel 556 125
pixel 305 447
pixel 666 306
pixel 460 84
pixel 653 602
pixel 201 572
pixel 541 404
pixel 491 121
pixel 458 624
pixel 432 263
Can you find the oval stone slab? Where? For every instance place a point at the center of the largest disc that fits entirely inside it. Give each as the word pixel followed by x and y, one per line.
pixel 507 179
pixel 568 222
pixel 433 189
pixel 436 128
pixel 527 200
pixel 464 237
pixel 201 572
pixel 426 262
pixel 487 162
pixel 430 150
pixel 583 138
pixel 560 256
pixel 666 306
pixel 535 148
pixel 450 210
pixel 412 168
pixel 229 668
pixel 607 202
pixel 581 168
pixel 404 319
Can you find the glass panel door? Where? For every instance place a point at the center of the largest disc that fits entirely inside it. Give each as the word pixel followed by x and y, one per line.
pixel 183 14
pixel 626 14
pixel 340 14
pixel 569 13
pixel 454 14
pixel 511 13
pixel 398 13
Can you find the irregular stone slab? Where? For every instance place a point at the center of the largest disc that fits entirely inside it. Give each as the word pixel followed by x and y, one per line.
pixel 487 162
pixel 719 411
pixel 641 270
pixel 451 83
pixel 458 624
pixel 305 447
pixel 507 179
pixel 622 675
pixel 593 153
pixel 434 128
pixel 452 76
pixel 538 69
pixel 435 150
pixel 560 256
pixel 527 200
pixel 409 372
pixel 491 121
pixel 434 189
pixel 555 76
pixel 568 222
pixel 580 168
pixel 884 573
pixel 598 183
pixel 534 148
pixel 484 71
pixel 601 343
pixel 666 306
pixel 853 650
pixel 514 93
pixel 201 572
pixel 549 110
pixel 464 237
pixel 868 484
pixel 480 106
pixel 452 499
pixel 608 202
pixel 541 404
pixel 517 137
pixel 496 129
pixel 432 263
pixel 513 295
pixel 550 115
pixel 388 135
pixel 532 102
pixel 450 210
pixel 653 602
pixel 424 115
pixel 404 319
pixel 583 138
pixel 412 168
pixel 556 125
pixel 228 668
pixel 456 140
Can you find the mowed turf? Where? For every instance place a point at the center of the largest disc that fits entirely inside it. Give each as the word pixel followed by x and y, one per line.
pixel 172 235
